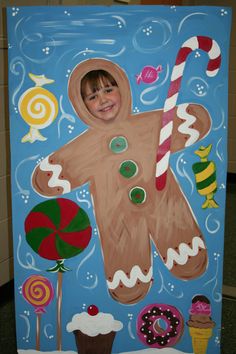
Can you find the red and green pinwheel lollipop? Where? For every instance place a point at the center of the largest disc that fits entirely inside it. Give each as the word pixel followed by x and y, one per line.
pixel 58 229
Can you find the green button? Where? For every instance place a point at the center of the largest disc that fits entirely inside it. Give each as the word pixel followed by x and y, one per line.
pixel 118 144
pixel 128 169
pixel 137 195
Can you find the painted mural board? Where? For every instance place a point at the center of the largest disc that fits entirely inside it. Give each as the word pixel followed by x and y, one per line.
pixel 118 124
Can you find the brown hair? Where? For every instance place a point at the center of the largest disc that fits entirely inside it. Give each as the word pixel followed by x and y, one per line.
pixel 94 78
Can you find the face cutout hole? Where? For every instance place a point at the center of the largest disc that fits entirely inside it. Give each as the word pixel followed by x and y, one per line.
pixel 160 326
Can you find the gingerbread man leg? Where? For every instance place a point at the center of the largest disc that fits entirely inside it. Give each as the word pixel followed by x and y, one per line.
pixel 176 234
pixel 127 256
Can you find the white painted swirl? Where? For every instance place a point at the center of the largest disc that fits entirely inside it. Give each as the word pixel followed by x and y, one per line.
pixel 184 251
pixel 38 107
pixel 55 181
pixel 184 128
pixel 135 275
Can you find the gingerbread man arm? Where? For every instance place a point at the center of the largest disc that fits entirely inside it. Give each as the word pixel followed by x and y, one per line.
pixel 191 123
pixel 176 234
pixel 67 168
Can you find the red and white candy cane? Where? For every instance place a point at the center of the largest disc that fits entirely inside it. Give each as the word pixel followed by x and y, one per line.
pixel 213 50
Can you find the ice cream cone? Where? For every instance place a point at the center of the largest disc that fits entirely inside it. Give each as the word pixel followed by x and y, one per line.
pixel 200 338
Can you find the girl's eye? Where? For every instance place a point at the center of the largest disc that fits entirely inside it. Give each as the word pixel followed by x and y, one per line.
pixel 109 89
pixel 92 98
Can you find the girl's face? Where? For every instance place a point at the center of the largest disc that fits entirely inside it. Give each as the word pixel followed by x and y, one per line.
pixel 105 102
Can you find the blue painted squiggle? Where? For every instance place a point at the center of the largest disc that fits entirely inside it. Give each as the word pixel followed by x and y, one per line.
pixel 160 23
pixel 187 17
pixel 17 61
pixel 95 283
pixel 64 115
pixel 215 230
pixel 29 264
pixel 27 322
pixel 164 288
pixel 21 190
pixel 216 295
pixel 130 330
pixel 220 155
pixel 45 331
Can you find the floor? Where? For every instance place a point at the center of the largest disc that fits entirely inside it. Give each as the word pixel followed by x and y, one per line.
pixel 228 340
pixel 228 343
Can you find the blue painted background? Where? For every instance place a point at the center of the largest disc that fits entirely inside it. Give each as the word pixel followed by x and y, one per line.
pixel 52 41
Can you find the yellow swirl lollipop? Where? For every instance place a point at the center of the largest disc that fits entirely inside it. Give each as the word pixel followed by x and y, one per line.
pixel 38 107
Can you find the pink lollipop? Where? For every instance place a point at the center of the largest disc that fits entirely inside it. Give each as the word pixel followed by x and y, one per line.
pixel 38 292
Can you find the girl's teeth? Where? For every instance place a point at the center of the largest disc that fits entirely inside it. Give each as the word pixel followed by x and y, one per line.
pixel 106 109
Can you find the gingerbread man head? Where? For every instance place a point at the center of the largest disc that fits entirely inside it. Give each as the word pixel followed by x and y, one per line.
pixel 77 99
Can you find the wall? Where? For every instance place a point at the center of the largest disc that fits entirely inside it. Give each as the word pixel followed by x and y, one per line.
pixel 232 78
pixel 6 260
pixel 6 267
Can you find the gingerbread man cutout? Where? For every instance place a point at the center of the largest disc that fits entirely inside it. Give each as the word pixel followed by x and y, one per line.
pixel 118 159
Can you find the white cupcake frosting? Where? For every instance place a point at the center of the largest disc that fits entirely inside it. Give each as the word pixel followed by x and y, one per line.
pixel 102 323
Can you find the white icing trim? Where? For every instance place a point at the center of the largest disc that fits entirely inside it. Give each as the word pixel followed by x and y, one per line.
pixel 102 323
pixel 54 181
pixel 135 275
pixel 184 128
pixel 184 252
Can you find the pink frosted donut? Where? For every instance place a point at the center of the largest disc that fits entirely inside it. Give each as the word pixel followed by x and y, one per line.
pixel 160 325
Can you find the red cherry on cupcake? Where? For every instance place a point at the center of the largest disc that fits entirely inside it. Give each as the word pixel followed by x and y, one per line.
pixel 92 310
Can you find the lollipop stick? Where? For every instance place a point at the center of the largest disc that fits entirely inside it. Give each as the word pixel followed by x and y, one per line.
pixel 60 269
pixel 59 300
pixel 38 322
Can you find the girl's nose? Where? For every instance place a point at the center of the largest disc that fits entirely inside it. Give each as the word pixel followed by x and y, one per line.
pixel 102 97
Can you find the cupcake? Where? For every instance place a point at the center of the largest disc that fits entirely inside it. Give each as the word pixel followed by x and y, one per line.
pixel 94 331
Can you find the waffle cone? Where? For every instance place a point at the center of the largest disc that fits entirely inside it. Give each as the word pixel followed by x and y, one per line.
pixel 200 338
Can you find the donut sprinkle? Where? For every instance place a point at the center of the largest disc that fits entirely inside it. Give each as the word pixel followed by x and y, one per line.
pixel 129 281
pixel 152 333
pixel 184 251
pixel 55 181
